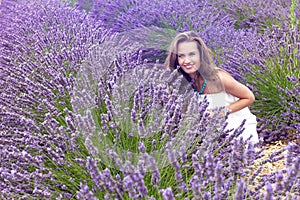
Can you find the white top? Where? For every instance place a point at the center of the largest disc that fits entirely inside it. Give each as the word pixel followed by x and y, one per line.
pixel 235 119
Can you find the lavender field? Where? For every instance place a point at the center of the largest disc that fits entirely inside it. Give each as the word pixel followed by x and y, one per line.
pixel 85 111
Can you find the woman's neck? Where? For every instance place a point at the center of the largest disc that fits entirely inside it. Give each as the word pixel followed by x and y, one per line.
pixel 197 81
pixel 195 76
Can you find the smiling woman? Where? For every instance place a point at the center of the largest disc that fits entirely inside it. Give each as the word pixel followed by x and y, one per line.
pixel 193 59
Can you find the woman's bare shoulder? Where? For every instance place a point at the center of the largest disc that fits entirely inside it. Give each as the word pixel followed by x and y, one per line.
pixel 224 75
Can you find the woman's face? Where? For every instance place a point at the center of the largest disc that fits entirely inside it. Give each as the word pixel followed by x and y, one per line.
pixel 189 57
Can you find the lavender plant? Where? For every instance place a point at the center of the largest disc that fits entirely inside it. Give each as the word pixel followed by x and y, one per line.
pixel 230 185
pixel 42 44
pixel 84 116
pixel 141 144
pixel 270 67
pixel 276 86
pixel 259 14
pixel 213 24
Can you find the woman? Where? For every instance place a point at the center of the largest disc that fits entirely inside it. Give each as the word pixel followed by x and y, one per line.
pixel 189 54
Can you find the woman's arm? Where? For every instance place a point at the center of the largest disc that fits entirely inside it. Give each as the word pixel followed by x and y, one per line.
pixel 236 89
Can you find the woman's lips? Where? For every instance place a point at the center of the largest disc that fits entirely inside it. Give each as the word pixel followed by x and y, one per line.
pixel 188 66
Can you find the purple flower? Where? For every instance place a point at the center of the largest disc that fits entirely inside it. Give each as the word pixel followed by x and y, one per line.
pixel 269 192
pixel 85 193
pixel 167 194
pixel 240 190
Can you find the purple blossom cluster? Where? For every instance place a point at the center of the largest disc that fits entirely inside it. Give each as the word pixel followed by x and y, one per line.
pixel 86 112
pixel 231 29
pixel 41 45
pixel 214 25
pixel 277 96
pixel 262 14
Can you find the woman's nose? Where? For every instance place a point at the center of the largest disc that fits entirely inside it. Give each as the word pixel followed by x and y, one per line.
pixel 187 60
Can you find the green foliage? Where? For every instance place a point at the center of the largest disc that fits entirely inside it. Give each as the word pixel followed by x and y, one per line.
pixel 292 14
pixel 72 2
pixel 271 81
pixel 67 176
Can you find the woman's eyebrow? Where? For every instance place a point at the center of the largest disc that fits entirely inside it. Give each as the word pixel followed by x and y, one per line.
pixel 179 53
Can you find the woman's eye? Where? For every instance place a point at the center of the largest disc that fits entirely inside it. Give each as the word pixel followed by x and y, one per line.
pixel 192 54
pixel 180 56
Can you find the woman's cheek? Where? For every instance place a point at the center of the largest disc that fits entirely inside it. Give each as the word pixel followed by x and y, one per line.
pixel 180 61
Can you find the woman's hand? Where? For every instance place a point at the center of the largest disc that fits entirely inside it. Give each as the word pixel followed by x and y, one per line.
pixel 221 113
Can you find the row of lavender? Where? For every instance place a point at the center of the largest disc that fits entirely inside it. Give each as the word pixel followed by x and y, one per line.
pixel 78 122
